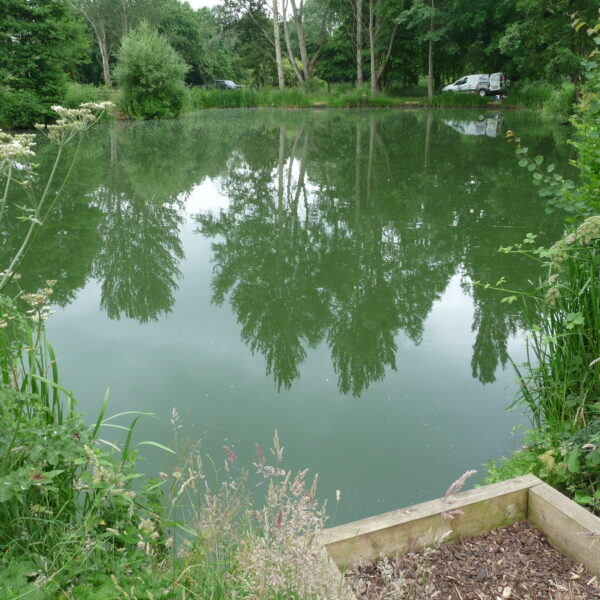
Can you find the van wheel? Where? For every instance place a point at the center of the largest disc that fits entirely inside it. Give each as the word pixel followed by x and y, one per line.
pixel 482 93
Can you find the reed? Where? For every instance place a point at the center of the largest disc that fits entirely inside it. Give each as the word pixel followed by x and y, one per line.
pixel 560 381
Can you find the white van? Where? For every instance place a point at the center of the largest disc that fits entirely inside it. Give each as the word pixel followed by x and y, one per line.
pixel 482 84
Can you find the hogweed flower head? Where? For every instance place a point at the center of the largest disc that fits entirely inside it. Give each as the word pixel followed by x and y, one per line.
pixel 16 147
pixel 73 121
pixel 551 296
pixel 589 230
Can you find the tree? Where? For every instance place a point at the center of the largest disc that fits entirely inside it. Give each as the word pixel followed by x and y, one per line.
pixel 150 73
pixel 317 13
pixel 240 13
pixel 539 39
pixel 108 21
pixel 382 32
pixel 40 43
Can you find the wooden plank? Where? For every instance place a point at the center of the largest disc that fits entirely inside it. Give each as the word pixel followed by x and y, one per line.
pixel 419 526
pixel 563 521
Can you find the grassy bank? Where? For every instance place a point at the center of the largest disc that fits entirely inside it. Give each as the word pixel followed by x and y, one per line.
pixel 560 381
pixel 540 96
pixel 201 98
pixel 78 519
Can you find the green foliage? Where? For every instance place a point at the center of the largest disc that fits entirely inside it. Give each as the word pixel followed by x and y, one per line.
pixel 315 85
pixel 40 43
pixel 568 461
pixel 66 505
pixel 563 100
pixel 21 109
pixel 582 200
pixel 541 95
pixel 560 382
pixel 537 41
pixel 150 74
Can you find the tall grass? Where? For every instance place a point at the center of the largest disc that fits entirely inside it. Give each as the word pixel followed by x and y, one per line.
pixel 201 98
pixel 541 95
pixel 78 93
pixel 560 382
pixel 248 98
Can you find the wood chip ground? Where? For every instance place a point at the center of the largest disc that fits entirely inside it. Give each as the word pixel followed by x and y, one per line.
pixel 515 562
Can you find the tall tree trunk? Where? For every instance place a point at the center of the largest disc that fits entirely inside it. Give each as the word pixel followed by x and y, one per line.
pixel 372 48
pixel 359 35
pixel 124 18
pixel 277 41
pixel 288 45
pixel 100 32
pixel 297 12
pixel 430 59
pixel 386 58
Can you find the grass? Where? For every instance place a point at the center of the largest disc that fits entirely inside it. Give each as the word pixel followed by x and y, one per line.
pixel 78 93
pixel 340 97
pixel 80 522
pixel 546 97
pixel 560 380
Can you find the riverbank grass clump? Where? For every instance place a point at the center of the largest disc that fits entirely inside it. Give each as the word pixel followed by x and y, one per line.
pixel 78 520
pixel 560 381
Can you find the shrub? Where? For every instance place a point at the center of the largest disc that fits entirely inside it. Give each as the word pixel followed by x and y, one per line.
pixel 21 109
pixel 530 94
pixel 568 461
pixel 79 93
pixel 562 100
pixel 544 96
pixel 151 75
pixel 314 84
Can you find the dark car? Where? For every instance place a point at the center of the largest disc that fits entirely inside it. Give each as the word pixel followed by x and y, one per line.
pixel 226 84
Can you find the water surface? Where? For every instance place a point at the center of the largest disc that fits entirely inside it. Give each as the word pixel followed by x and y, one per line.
pixel 306 271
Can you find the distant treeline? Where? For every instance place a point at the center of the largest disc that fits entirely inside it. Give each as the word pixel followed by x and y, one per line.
pixel 388 45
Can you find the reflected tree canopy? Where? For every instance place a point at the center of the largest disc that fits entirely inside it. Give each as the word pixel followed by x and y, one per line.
pixel 348 229
pixel 342 228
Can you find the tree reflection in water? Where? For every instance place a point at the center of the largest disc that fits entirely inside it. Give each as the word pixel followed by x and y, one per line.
pixel 343 228
pixel 321 244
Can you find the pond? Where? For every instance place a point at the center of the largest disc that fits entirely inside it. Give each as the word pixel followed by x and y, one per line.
pixel 311 272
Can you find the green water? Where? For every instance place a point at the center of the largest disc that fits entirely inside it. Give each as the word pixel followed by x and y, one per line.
pixel 305 271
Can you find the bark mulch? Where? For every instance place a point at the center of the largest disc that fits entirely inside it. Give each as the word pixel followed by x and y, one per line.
pixel 515 562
